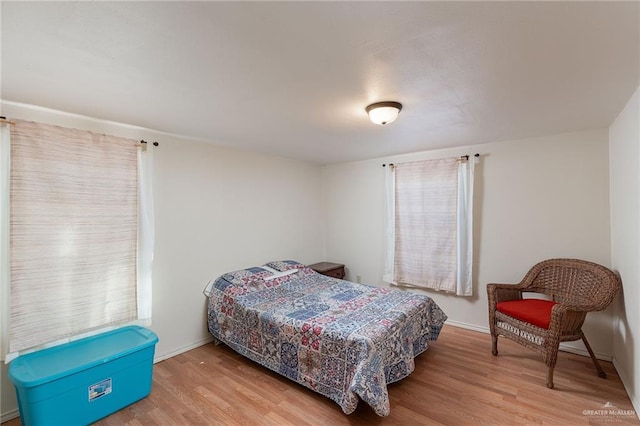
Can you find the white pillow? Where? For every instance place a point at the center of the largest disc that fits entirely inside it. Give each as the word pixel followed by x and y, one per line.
pixel 208 288
pixel 281 274
pixel 273 271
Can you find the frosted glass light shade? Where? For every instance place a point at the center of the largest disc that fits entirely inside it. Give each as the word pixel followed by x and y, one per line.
pixel 384 112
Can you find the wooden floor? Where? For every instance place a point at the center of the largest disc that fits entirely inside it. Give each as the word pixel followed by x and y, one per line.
pixel 456 382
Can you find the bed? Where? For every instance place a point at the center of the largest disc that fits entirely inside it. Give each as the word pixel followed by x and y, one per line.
pixel 344 340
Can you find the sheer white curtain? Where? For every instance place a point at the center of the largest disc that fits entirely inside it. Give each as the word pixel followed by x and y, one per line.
pixel 146 235
pixel 429 225
pixel 81 234
pixel 4 237
pixel 390 224
pixel 464 244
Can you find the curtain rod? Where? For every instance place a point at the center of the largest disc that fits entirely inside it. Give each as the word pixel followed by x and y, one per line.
pixel 4 120
pixel 462 157
pixel 466 157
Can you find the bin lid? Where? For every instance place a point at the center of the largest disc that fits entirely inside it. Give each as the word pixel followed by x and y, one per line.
pixel 47 365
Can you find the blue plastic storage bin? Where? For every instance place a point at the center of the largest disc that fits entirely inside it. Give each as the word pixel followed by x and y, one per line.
pixel 83 381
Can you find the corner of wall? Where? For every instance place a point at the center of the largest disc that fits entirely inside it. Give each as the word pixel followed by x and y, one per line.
pixel 624 167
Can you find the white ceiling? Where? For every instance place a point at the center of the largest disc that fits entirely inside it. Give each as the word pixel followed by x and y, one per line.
pixel 293 78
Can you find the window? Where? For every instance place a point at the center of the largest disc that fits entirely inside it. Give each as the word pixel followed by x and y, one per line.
pixel 429 225
pixel 80 233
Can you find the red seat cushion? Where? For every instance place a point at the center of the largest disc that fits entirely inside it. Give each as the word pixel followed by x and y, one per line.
pixel 533 311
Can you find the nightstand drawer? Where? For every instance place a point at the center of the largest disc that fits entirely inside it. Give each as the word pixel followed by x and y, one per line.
pixel 334 270
pixel 335 273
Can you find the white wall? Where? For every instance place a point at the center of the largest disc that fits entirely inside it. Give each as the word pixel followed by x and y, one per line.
pixel 219 209
pixel 216 210
pixel 534 199
pixel 624 152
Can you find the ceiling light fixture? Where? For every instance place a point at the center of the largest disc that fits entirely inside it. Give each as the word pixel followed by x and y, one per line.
pixel 384 112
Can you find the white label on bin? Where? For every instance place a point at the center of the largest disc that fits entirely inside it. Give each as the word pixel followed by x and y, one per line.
pixel 99 389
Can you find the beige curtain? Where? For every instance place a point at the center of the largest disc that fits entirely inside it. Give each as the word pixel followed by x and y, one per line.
pixel 429 225
pixel 426 198
pixel 73 232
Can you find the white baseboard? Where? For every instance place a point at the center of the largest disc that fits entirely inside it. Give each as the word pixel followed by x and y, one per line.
pixel 9 415
pixel 579 351
pixel 466 326
pixel 563 346
pixel 183 349
pixel 623 378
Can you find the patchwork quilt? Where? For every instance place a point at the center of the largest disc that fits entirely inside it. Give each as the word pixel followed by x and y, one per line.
pixel 344 340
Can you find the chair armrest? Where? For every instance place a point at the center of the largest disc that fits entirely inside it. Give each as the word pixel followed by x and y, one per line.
pixel 565 318
pixel 585 307
pixel 502 292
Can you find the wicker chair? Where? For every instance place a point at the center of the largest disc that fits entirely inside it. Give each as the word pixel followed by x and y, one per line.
pixel 575 287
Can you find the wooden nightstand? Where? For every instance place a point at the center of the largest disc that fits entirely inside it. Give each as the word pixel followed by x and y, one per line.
pixel 335 270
